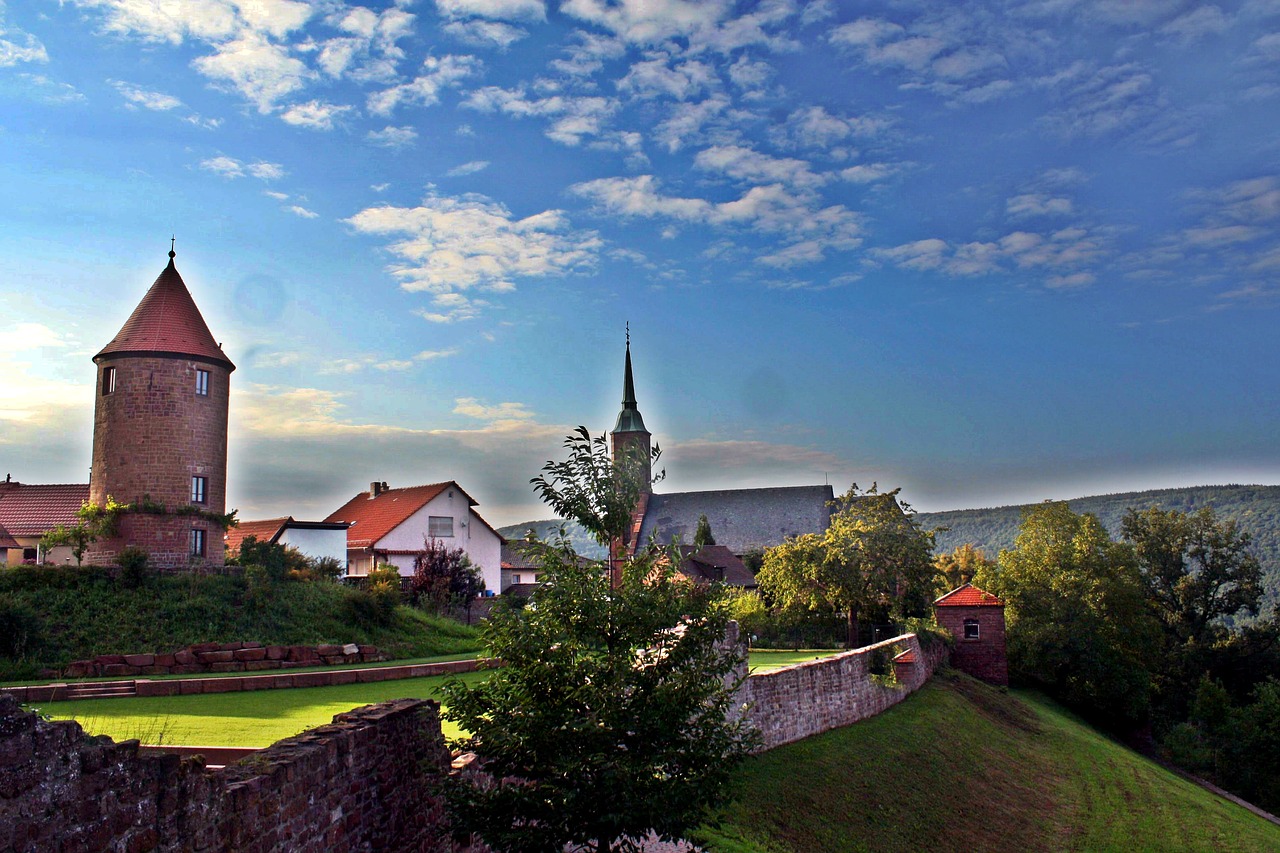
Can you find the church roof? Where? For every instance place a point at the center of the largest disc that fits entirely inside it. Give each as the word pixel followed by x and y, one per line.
pixel 968 595
pixel 35 509
pixel 741 519
pixel 167 321
pixel 715 563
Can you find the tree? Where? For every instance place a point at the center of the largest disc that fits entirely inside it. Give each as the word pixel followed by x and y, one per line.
pixel 612 715
pixel 443 577
pixel 1077 617
pixel 872 556
pixel 960 567
pixel 702 537
pixel 94 523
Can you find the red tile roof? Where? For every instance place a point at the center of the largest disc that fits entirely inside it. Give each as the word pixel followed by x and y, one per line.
pixel 33 510
pixel 7 541
pixel 909 656
pixel 268 530
pixel 168 321
pixel 373 518
pixel 968 596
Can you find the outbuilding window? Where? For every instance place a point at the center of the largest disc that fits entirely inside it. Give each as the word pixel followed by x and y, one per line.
pixel 971 629
pixel 440 526
pixel 202 383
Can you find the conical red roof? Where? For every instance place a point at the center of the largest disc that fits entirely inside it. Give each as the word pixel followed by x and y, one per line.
pixel 167 321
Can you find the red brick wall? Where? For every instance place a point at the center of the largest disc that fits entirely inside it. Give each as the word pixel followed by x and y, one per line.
pixel 150 437
pixel 984 657
pixel 364 782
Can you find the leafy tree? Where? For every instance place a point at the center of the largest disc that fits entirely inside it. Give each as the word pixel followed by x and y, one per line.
pixel 443 577
pixel 873 556
pixel 93 523
pixel 1077 617
pixel 613 714
pixel 960 567
pixel 592 488
pixel 702 537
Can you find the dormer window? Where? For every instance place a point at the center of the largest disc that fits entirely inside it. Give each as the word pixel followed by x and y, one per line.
pixel 202 383
pixel 108 381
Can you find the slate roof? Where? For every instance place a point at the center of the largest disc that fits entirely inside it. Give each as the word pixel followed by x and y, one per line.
pixel 741 519
pixel 715 563
pixel 33 510
pixel 968 596
pixel 167 321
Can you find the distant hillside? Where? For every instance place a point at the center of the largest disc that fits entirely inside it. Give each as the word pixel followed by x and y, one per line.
pixel 1255 508
pixel 548 530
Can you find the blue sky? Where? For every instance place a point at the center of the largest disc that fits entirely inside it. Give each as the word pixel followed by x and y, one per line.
pixel 989 252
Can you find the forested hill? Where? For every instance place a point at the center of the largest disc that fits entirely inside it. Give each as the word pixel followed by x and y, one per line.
pixel 547 531
pixel 1255 508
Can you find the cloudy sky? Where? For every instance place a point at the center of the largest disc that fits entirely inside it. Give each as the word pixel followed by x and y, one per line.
pixel 990 252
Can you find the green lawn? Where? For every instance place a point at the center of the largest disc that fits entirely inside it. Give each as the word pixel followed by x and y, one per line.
pixel 262 717
pixel 763 660
pixel 961 766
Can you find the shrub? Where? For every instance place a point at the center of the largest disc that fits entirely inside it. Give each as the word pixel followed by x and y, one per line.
pixel 133 566
pixel 21 631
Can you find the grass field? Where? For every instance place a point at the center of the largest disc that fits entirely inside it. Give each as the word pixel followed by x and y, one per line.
pixel 961 766
pixel 262 717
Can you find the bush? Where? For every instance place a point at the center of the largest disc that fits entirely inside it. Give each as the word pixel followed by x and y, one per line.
pixel 375 604
pixel 21 631
pixel 133 566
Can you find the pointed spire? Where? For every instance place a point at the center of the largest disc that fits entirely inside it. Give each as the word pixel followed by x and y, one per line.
pixel 629 419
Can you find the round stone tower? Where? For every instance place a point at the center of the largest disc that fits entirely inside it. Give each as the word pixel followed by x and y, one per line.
pixel 160 431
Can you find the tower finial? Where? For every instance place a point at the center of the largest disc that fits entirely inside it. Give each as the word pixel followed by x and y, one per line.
pixel 628 334
pixel 172 253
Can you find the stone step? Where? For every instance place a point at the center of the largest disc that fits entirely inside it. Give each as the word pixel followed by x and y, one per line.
pixel 102 690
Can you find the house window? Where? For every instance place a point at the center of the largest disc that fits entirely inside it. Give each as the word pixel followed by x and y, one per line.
pixel 202 383
pixel 108 381
pixel 197 542
pixel 971 629
pixel 515 579
pixel 440 526
pixel 199 489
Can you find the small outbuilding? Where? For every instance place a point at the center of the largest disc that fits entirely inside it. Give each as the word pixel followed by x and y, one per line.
pixel 976 619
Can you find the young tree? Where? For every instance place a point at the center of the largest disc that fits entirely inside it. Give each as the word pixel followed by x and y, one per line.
pixel 1077 617
pixel 443 577
pixel 873 555
pixel 702 537
pixel 612 715
pixel 960 567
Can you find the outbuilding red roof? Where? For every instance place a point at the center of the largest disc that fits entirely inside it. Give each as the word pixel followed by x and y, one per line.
pixel 371 518
pixel 968 596
pixel 268 530
pixel 167 321
pixel 33 510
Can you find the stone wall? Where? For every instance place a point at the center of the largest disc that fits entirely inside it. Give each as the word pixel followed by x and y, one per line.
pixel 795 702
pixel 224 657
pixel 362 783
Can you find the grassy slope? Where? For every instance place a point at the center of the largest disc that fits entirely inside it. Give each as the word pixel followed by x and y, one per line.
pixel 960 766
pixel 85 614
pixel 1256 508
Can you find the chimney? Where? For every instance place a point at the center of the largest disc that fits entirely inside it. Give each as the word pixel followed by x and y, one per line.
pixel 375 489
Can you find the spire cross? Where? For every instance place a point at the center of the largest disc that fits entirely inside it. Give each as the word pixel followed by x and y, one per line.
pixel 172 240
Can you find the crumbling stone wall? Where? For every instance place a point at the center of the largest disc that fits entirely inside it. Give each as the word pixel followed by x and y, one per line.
pixel 362 783
pixel 795 702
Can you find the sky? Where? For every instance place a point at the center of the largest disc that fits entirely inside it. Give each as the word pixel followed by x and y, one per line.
pixel 991 253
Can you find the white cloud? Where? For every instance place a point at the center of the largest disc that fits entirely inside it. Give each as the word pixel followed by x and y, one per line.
pixel 473 408
pixel 439 73
pixel 136 96
pixel 229 167
pixel 746 164
pixel 498 10
pixel 485 33
pixel 867 173
pixel 572 118
pixel 659 76
pixel 392 137
pixel 297 210
pixel 1037 204
pixel 814 127
pixel 468 168
pixel 433 354
pixel 685 123
pixel 20 47
pixel 275 195
pixel 316 115
pixel 41 88
pixel 1199 23
pixel 448 245
pixel 587 52
pixel 1067 251
pixel 259 69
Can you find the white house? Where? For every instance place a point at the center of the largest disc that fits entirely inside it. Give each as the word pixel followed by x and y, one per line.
pixel 315 539
pixel 390 526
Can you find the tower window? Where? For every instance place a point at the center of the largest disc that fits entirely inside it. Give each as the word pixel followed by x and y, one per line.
pixel 439 526
pixel 199 489
pixel 202 383
pixel 108 381
pixel 197 542
pixel 971 629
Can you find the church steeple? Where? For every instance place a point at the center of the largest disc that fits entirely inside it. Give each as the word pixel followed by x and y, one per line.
pixel 629 419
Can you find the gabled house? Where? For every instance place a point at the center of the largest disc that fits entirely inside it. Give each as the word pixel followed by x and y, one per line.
pixel 518 569
pixel 315 539
pixel 28 511
pixel 386 525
